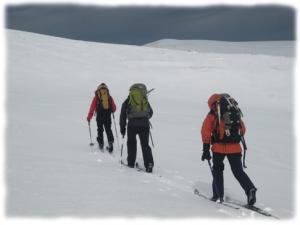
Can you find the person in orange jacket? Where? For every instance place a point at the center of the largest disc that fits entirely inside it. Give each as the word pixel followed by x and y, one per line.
pixel 220 150
pixel 104 106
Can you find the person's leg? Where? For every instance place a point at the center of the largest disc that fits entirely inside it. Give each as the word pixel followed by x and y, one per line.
pixel 131 146
pixel 109 133
pixel 239 173
pixel 146 149
pixel 100 132
pixel 218 180
pixel 108 130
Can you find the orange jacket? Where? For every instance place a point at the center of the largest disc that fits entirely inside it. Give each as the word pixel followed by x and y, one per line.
pixel 207 129
pixel 225 148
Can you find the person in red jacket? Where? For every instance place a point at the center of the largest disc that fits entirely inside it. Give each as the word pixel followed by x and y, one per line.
pixel 104 106
pixel 222 149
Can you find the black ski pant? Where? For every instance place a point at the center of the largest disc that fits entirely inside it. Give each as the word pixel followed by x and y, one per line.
pixel 237 170
pixel 143 133
pixel 104 122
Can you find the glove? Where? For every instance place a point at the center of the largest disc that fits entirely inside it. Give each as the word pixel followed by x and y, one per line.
pixel 88 119
pixel 123 131
pixel 206 152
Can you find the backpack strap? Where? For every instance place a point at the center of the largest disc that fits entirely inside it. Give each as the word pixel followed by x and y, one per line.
pixel 218 111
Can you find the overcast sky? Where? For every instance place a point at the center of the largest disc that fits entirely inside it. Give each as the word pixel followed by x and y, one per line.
pixel 141 25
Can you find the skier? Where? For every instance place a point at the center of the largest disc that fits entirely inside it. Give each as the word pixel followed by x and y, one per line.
pixel 225 142
pixel 104 106
pixel 138 111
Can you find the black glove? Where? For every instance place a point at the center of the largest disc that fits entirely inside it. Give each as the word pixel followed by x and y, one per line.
pixel 206 152
pixel 123 131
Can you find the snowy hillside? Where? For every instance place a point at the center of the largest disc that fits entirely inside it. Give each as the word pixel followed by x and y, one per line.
pixel 276 48
pixel 52 171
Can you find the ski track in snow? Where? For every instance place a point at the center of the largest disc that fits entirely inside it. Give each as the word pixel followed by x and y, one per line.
pixel 171 181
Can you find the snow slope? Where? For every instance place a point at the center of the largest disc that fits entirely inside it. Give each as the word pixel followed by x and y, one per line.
pixel 51 171
pixel 276 48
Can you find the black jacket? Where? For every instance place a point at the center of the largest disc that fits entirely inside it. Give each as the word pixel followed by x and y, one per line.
pixel 135 122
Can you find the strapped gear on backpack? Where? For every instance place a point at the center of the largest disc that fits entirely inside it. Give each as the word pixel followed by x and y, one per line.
pixel 228 123
pixel 138 102
pixel 103 98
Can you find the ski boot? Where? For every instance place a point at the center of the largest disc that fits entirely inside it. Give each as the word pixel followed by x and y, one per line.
pixel 214 198
pixel 110 147
pixel 101 146
pixel 217 199
pixel 251 196
pixel 149 168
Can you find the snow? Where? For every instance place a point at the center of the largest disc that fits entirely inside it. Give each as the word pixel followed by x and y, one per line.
pixel 276 48
pixel 51 171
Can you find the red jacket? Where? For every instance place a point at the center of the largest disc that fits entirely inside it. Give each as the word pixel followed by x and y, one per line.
pixel 94 104
pixel 207 129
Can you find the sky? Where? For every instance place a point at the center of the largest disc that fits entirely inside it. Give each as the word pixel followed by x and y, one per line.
pixel 138 25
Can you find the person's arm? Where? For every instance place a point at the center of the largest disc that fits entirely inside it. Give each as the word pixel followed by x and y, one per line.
pixel 206 131
pixel 243 128
pixel 207 128
pixel 123 117
pixel 92 109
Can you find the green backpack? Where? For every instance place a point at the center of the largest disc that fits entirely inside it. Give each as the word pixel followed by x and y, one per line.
pixel 138 102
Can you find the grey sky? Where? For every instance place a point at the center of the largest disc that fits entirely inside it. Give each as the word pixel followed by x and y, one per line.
pixel 141 25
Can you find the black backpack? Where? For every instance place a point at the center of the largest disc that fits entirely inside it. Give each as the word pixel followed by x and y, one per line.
pixel 228 123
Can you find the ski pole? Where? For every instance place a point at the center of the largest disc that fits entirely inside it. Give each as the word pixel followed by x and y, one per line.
pixel 121 151
pixel 245 149
pixel 116 131
pixel 214 180
pixel 91 144
pixel 151 138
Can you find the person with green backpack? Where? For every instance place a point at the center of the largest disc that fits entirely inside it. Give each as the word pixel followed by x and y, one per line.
pixel 137 110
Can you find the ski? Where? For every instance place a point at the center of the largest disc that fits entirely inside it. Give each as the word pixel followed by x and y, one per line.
pixel 139 169
pixel 123 163
pixel 142 169
pixel 107 149
pixel 101 147
pixel 252 208
pixel 198 193
pixel 238 205
pixel 137 166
